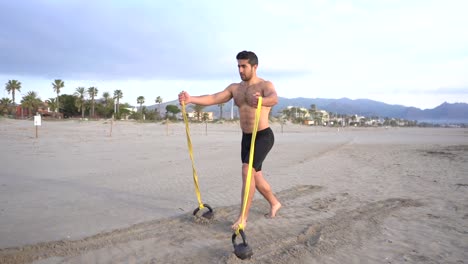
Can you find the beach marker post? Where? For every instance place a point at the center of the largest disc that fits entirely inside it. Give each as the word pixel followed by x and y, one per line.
pixel 167 126
pixel 111 124
pixel 37 123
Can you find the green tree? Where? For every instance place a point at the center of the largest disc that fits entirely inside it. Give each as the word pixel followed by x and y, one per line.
pixel 141 101
pixel 80 99
pixel 106 107
pixel 12 86
pixel 57 85
pixel 92 92
pixel 313 108
pixel 4 105
pixel 106 96
pixel 52 102
pixel 125 110
pixel 31 102
pixel 221 111
pixel 173 109
pixel 68 107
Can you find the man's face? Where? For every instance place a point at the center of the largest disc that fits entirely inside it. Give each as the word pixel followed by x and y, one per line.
pixel 246 70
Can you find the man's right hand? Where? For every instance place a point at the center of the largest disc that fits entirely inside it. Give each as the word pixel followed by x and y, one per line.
pixel 184 97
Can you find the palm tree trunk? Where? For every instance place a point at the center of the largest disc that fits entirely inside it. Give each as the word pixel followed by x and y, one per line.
pixel 94 108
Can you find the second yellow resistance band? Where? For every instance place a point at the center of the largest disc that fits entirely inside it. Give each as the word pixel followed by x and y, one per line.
pixel 251 157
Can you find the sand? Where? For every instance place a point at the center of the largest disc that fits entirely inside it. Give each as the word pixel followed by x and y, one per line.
pixel 76 194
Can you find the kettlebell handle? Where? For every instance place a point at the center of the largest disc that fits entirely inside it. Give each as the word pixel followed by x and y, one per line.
pixel 198 209
pixel 241 232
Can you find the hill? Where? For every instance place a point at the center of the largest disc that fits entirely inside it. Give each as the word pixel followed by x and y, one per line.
pixel 444 113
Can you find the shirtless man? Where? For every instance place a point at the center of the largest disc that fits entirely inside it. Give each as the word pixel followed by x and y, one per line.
pixel 246 94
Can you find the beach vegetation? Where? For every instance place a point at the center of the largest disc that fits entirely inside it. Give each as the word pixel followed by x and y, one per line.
pixel 80 100
pixel 159 101
pixel 141 101
pixel 92 92
pixel 13 86
pixel 118 94
pixel 173 110
pixel 57 85
pixel 5 103
pixel 31 102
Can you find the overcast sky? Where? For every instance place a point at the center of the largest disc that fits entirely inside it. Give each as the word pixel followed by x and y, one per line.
pixel 408 52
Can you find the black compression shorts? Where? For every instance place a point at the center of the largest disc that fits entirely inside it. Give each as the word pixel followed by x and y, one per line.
pixel 263 144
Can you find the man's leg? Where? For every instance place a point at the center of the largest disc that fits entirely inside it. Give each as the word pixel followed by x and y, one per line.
pixel 245 170
pixel 264 188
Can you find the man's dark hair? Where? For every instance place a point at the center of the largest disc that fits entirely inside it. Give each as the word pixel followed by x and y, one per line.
pixel 248 55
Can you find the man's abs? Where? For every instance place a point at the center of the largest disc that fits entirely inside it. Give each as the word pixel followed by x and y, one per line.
pixel 247 118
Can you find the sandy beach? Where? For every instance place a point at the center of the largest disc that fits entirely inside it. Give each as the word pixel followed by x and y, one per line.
pixel 77 194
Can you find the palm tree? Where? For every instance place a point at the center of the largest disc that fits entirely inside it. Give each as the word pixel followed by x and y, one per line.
pixel 4 103
pixel 141 101
pixel 92 92
pixel 31 102
pixel 198 110
pixel 118 95
pixel 221 111
pixel 80 101
pixel 58 84
pixel 12 86
pixel 106 96
pixel 52 104
pixel 159 100
pixel 108 103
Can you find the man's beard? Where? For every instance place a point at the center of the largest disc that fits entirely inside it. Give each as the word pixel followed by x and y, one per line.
pixel 245 77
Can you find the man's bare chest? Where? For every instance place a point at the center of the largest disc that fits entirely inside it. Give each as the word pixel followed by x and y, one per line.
pixel 244 94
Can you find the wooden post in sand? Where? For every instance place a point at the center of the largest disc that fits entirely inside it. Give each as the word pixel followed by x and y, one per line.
pixel 111 124
pixel 167 126
pixel 37 123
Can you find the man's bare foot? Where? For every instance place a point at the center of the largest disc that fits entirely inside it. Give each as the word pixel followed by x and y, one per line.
pixel 273 210
pixel 235 226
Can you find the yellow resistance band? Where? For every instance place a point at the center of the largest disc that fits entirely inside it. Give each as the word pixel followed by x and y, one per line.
pixel 251 156
pixel 189 144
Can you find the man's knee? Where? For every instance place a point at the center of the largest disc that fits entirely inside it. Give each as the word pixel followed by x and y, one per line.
pixel 245 170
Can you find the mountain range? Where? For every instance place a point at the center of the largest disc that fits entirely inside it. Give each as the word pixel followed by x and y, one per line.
pixel 444 113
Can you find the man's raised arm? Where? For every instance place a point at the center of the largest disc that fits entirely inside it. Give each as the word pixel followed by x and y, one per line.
pixel 212 99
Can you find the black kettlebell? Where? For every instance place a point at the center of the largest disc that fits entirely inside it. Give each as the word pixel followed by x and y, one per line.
pixel 208 215
pixel 242 250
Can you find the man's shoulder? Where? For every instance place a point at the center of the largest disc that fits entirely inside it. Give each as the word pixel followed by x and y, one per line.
pixel 233 86
pixel 267 84
pixel 262 81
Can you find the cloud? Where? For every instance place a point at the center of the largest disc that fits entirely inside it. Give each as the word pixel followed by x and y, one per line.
pixel 386 48
pixel 452 91
pixel 96 39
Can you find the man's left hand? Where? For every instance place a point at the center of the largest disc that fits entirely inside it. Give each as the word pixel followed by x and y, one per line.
pixel 254 101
